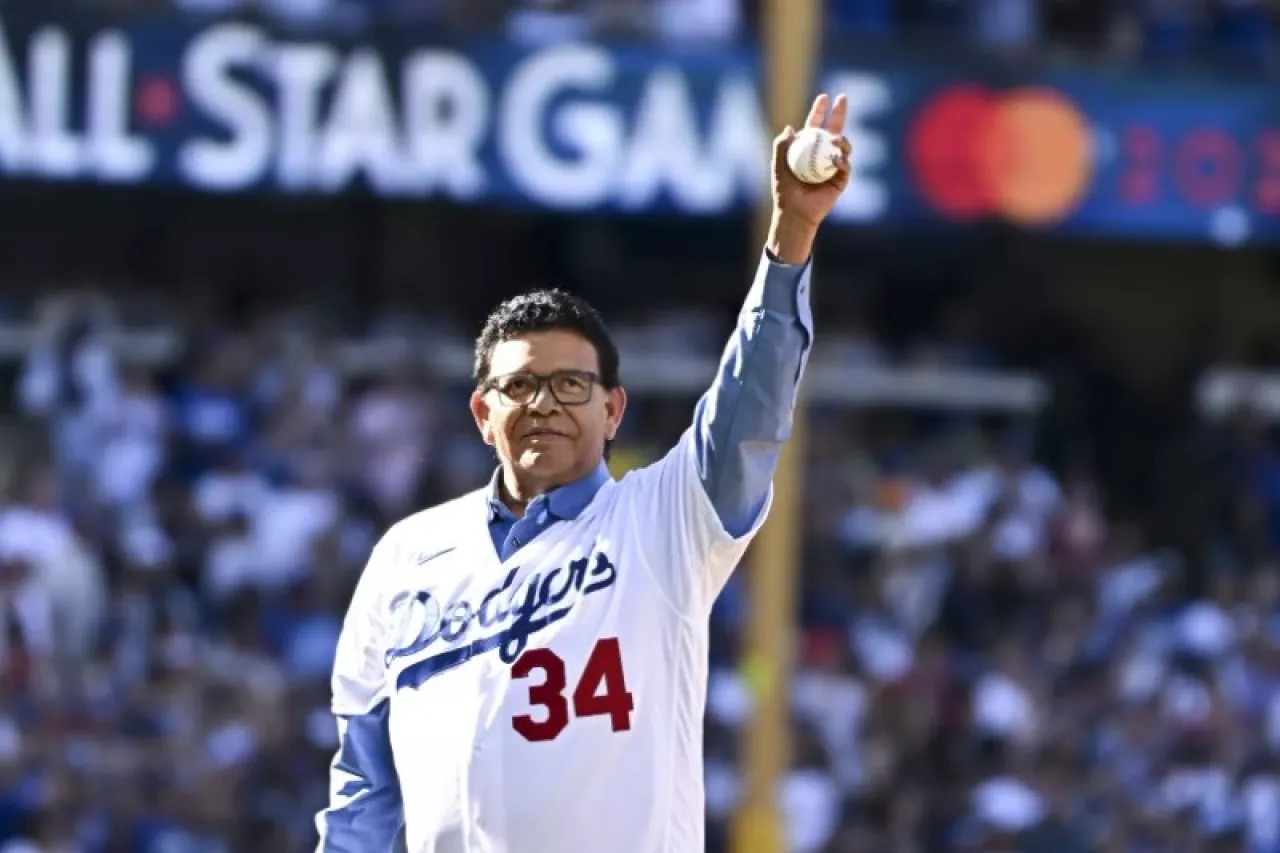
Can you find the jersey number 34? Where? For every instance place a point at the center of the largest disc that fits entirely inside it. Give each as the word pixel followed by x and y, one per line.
pixel 601 691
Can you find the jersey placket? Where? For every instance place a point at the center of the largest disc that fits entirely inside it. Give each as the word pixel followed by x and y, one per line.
pixel 535 520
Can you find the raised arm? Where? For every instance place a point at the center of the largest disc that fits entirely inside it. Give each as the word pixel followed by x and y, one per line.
pixel 710 493
pixel 743 420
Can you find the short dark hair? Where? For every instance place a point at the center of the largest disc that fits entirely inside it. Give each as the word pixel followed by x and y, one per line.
pixel 546 311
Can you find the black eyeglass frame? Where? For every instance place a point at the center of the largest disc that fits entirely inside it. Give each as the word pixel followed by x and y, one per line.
pixel 540 380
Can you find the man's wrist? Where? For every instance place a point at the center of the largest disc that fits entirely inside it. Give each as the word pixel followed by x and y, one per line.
pixel 790 240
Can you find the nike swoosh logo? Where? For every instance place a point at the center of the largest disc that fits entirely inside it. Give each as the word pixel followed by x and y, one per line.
pixel 424 557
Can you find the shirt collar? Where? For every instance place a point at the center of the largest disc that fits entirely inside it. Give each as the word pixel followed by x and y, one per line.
pixel 564 502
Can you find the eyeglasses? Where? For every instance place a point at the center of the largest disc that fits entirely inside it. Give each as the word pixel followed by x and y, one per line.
pixel 568 387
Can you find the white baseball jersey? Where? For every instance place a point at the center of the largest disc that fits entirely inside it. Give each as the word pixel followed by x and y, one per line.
pixel 552 702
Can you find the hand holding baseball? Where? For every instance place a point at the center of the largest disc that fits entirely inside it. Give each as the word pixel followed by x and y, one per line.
pixel 794 197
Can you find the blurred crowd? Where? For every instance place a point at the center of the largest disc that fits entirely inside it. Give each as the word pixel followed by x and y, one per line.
pixel 992 658
pixel 1241 30
pixel 994 661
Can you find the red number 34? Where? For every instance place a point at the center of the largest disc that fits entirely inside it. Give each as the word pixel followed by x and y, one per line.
pixel 601 691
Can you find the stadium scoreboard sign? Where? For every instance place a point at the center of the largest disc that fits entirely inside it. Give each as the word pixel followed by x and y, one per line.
pixel 230 107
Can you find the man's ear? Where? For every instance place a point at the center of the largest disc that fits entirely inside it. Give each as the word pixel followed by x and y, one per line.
pixel 480 411
pixel 615 406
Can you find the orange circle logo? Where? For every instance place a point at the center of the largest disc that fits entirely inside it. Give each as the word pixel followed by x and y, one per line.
pixel 1025 155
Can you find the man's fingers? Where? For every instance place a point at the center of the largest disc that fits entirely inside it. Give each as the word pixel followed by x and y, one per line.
pixel 818 112
pixel 845 148
pixel 839 110
pixel 841 177
pixel 828 114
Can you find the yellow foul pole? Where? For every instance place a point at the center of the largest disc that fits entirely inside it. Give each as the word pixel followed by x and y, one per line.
pixel 790 53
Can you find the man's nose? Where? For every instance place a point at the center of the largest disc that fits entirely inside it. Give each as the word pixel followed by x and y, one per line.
pixel 544 402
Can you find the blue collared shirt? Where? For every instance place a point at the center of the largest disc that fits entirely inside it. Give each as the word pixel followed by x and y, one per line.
pixel 740 423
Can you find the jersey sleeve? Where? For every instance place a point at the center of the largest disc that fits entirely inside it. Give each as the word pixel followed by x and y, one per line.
pixel 365 813
pixel 703 502
pixel 689 550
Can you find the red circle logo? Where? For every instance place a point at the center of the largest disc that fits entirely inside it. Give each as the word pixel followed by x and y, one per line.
pixel 1024 155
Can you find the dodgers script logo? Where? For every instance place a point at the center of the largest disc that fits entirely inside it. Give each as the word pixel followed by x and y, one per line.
pixel 506 616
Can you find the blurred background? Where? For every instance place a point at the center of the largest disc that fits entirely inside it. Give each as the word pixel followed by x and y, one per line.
pixel 244 246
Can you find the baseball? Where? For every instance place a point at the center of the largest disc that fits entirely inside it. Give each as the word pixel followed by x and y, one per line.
pixel 813 155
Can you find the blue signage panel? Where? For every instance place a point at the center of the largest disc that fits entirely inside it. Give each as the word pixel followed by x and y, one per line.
pixel 231 107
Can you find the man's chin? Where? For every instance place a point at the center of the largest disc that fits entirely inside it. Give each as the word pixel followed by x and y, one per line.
pixel 544 461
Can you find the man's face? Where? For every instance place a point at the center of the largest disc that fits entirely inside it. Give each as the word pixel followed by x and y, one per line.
pixel 546 441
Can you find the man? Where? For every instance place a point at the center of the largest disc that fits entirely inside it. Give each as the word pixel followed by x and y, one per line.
pixel 523 669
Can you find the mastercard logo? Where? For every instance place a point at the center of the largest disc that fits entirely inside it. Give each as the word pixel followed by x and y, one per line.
pixel 1024 155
